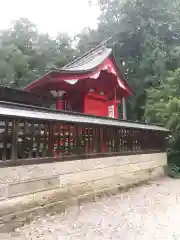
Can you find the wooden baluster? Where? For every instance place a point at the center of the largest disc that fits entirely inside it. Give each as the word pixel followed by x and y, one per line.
pixel 26 141
pixel 78 140
pixel 45 140
pixel 59 140
pixel 30 155
pixel 50 140
pixel 5 139
pixel 38 140
pixel 68 141
pixel 15 130
pixel 88 140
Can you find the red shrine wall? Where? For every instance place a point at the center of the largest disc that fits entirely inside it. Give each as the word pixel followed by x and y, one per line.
pixel 99 105
pixel 92 103
pixel 95 104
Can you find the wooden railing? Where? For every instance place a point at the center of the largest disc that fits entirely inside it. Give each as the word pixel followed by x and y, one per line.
pixel 30 135
pixel 23 97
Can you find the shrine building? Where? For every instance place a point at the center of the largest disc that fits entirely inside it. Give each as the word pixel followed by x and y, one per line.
pixel 91 84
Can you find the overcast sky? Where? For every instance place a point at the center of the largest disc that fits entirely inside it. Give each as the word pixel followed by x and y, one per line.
pixel 50 16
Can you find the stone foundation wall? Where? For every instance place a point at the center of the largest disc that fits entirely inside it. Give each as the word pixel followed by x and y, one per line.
pixel 29 187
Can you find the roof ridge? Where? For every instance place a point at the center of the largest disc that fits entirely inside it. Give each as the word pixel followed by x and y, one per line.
pixel 99 46
pixel 84 59
pixel 86 56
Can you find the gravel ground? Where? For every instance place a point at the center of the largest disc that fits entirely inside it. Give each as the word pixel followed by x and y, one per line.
pixel 147 212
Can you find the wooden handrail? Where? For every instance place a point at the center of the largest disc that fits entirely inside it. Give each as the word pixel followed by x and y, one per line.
pixel 39 113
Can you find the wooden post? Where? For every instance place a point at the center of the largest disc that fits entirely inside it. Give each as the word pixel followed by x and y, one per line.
pixel 4 153
pixel 15 130
pixel 124 109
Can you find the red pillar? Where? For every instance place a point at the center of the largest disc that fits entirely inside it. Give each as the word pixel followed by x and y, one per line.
pixel 59 104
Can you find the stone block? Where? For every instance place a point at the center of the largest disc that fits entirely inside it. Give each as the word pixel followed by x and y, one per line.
pixel 16 204
pixel 161 158
pixel 28 187
pixel 101 184
pixel 81 189
pixel 90 164
pixel 124 160
pixel 135 167
pixel 24 173
pixel 159 171
pixel 85 176
pixel 3 191
pixel 51 196
pixel 132 178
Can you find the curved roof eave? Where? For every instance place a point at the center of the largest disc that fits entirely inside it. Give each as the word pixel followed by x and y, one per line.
pixel 83 65
pixel 121 74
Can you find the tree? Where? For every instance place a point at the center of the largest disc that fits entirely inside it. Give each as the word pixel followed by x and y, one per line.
pixel 163 102
pixel 163 107
pixel 148 43
pixel 25 54
pixel 65 50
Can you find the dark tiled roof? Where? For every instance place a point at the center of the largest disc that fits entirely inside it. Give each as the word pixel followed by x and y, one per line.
pixel 89 61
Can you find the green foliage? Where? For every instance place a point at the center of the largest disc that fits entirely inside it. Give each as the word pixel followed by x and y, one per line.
pixel 148 42
pixel 25 54
pixel 163 107
pixel 163 102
